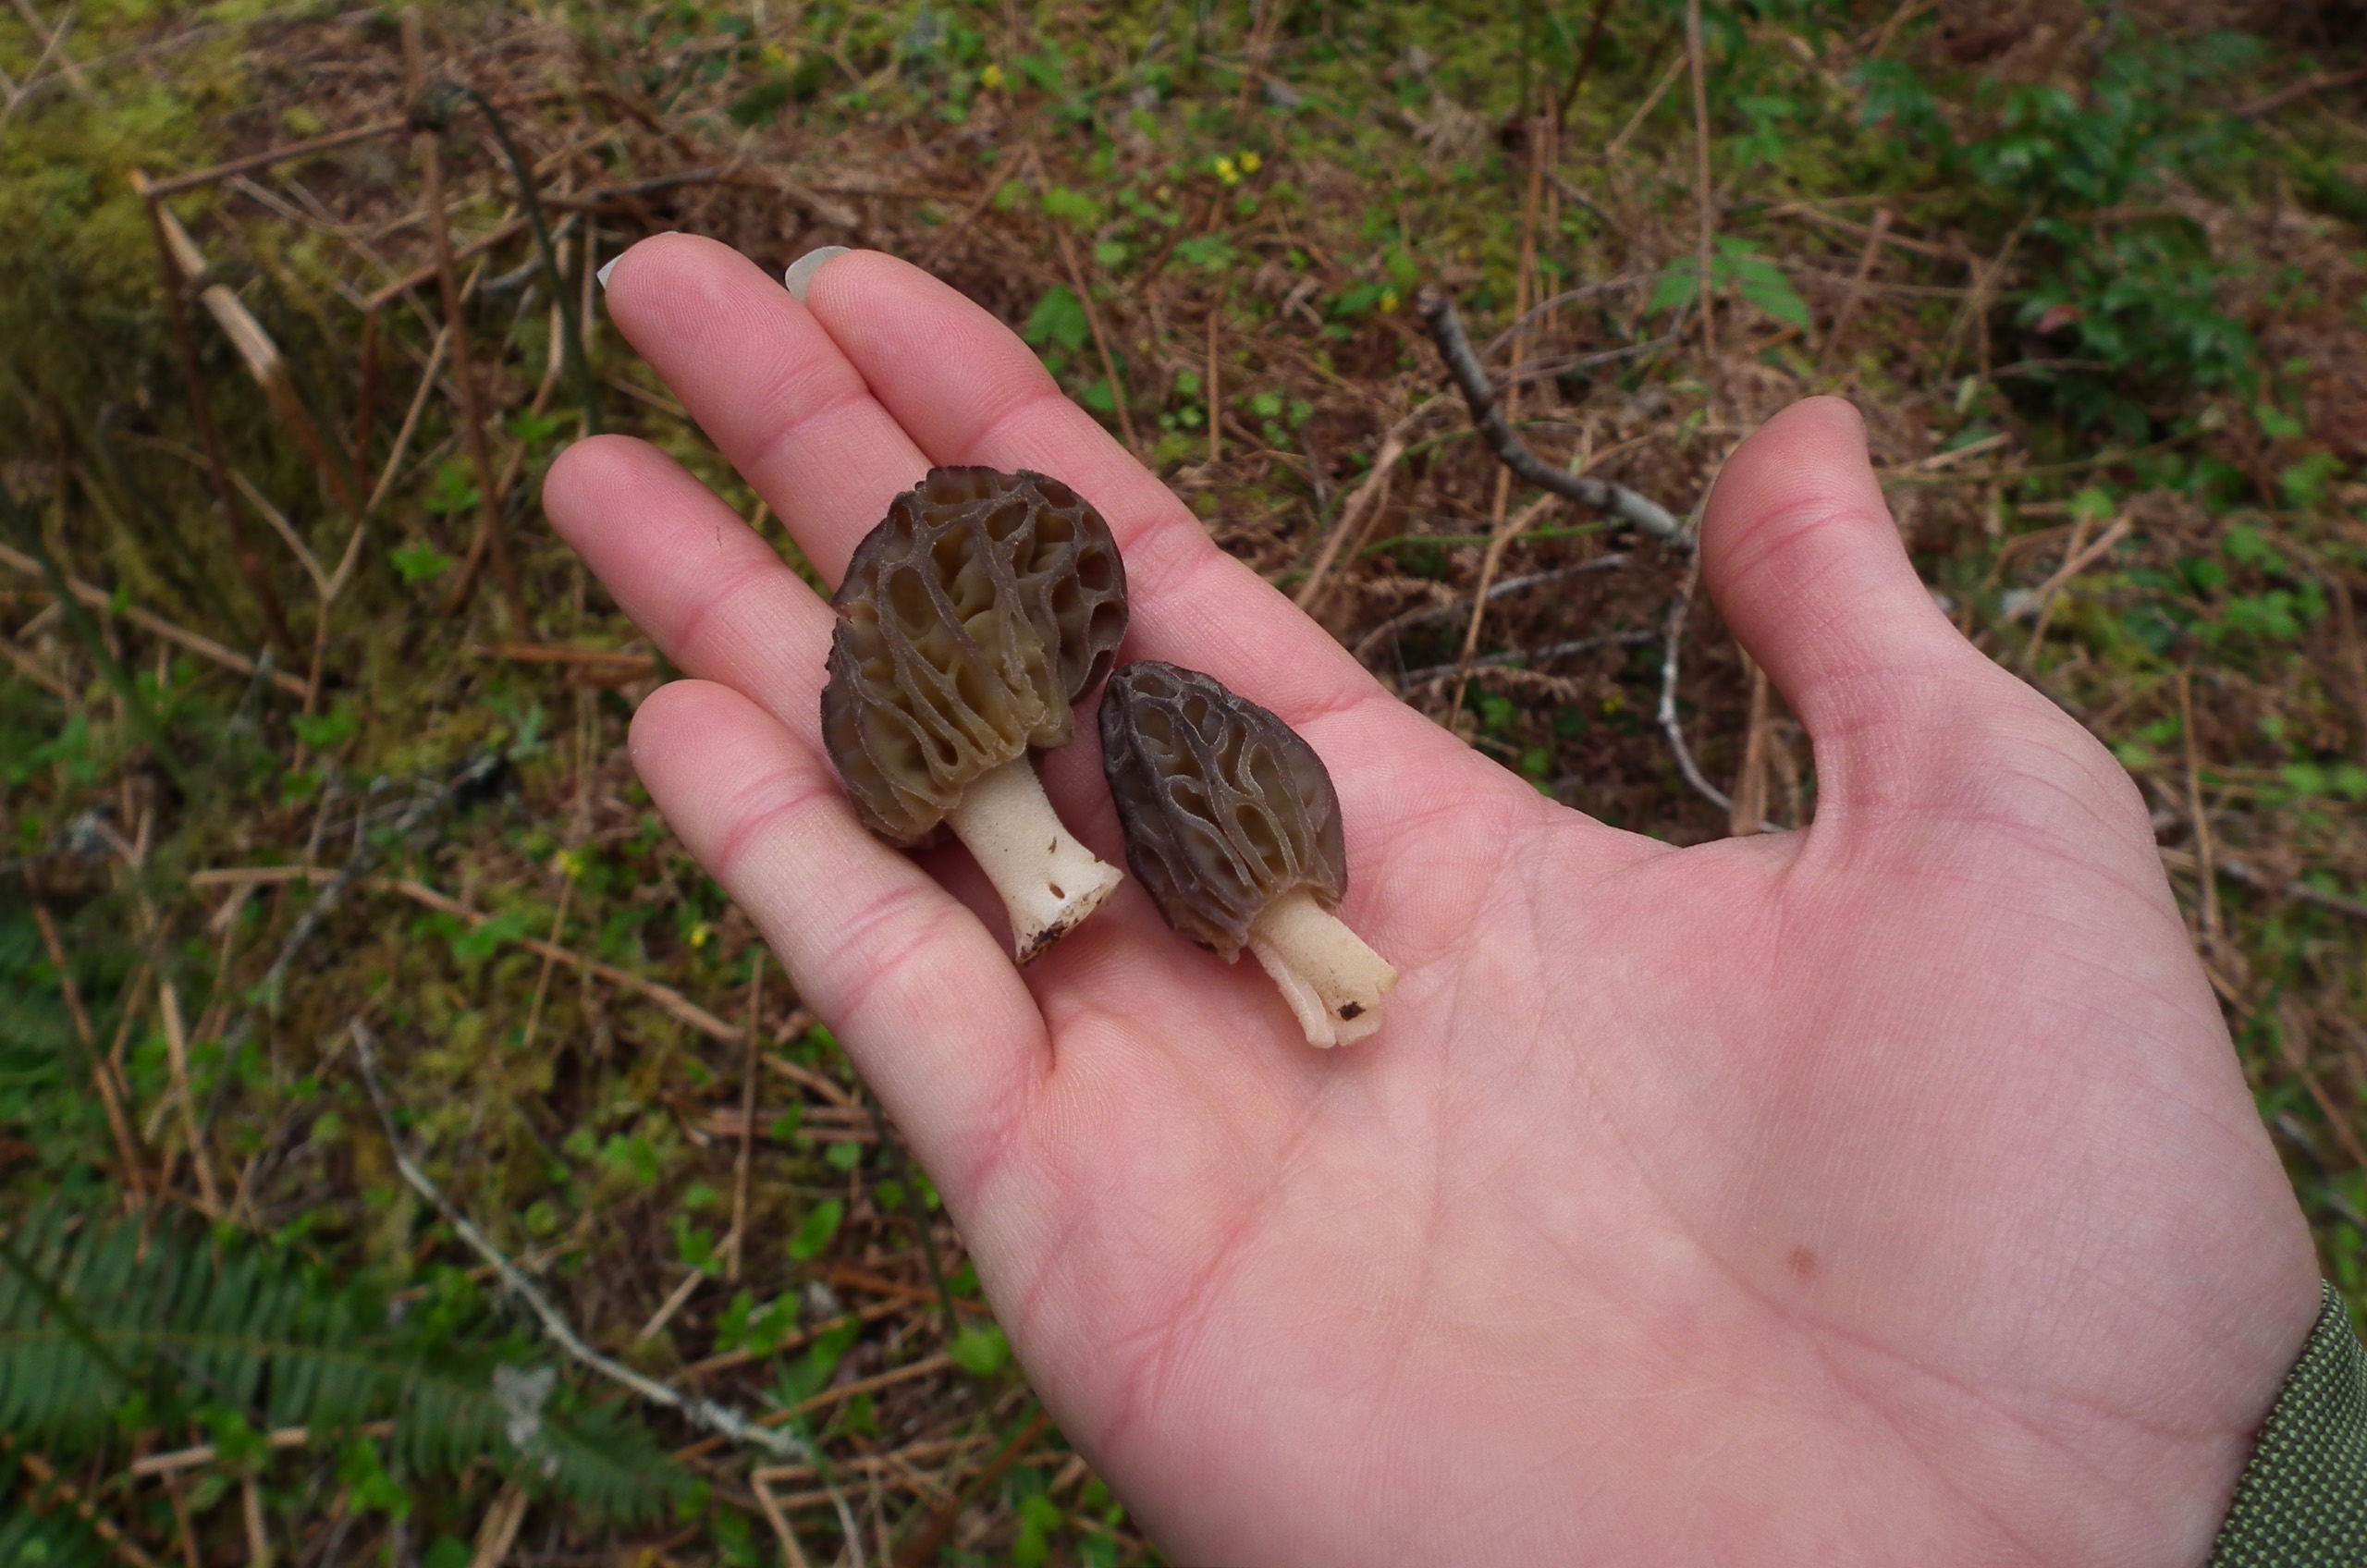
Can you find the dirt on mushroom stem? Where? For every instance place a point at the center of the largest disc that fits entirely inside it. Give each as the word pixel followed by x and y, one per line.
pixel 1332 981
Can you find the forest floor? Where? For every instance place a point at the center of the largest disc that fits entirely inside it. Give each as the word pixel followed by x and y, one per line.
pixel 311 758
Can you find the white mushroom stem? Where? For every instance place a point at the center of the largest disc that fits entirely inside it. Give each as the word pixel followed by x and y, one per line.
pixel 1047 880
pixel 1332 981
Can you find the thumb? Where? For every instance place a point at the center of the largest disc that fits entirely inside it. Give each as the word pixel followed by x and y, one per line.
pixel 1806 566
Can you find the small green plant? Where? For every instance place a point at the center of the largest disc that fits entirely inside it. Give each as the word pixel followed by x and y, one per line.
pixel 814 1233
pixel 419 562
pixel 1734 264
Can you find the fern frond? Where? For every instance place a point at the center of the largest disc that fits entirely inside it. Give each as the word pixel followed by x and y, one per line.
pixel 92 1314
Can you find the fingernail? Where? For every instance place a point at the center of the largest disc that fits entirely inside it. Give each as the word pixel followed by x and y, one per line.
pixel 602 275
pixel 799 275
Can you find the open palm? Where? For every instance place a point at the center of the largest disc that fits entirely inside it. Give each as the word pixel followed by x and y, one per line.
pixel 1884 1192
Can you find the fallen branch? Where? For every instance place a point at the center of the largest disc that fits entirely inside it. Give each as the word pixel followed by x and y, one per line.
pixel 1487 414
pixel 720 1419
pixel 388 293
pixel 669 1000
pixel 256 348
pixel 250 566
pixel 619 659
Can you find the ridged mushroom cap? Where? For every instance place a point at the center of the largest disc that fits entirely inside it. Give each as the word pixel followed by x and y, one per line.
pixel 1225 809
pixel 980 609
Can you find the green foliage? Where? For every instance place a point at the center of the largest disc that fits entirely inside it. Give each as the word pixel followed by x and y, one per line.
pixel 105 1323
pixel 980 1350
pixel 1204 252
pixel 455 491
pixel 814 1233
pixel 1071 207
pixel 1734 263
pixel 1057 321
pixel 2138 296
pixel 481 942
pixel 419 562
pixel 810 1374
pixel 1039 1517
pixel 322 731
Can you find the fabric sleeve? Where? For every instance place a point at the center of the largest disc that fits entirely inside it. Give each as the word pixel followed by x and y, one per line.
pixel 2302 1500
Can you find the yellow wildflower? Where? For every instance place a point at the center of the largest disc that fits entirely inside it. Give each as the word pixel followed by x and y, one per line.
pixel 700 932
pixel 991 77
pixel 1250 161
pixel 1226 173
pixel 1388 300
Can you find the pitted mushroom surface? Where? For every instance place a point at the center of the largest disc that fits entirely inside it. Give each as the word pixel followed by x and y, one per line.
pixel 1232 824
pixel 979 609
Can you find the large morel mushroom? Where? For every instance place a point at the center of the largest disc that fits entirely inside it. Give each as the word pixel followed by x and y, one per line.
pixel 1232 823
pixel 983 606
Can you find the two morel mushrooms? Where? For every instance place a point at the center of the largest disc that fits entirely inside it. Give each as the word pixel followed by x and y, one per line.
pixel 970 620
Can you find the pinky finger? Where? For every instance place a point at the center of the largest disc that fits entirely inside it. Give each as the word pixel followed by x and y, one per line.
pixel 917 989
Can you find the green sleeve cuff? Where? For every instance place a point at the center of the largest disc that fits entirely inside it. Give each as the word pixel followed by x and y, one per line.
pixel 2302 1501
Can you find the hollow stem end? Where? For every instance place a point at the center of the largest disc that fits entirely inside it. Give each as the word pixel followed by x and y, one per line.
pixel 1332 980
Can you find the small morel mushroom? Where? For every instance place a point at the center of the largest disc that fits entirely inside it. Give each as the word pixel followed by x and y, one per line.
pixel 983 606
pixel 1232 823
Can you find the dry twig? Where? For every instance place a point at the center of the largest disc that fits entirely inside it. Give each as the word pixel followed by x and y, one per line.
pixel 1487 412
pixel 112 1095
pixel 200 407
pixel 721 1419
pixel 1398 625
pixel 1850 302
pixel 922 1549
pixel 1672 637
pixel 1101 342
pixel 1705 203
pixel 1363 504
pixel 492 539
pixel 1749 808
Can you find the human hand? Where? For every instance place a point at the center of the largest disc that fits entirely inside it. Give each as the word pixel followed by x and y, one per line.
pixel 1884 1192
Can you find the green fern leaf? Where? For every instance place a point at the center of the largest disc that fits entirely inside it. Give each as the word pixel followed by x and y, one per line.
pixel 94 1316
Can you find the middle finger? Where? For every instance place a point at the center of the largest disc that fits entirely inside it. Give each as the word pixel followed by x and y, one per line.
pixel 769 387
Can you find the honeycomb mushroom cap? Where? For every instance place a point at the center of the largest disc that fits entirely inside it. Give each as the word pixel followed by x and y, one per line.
pixel 1225 808
pixel 983 606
